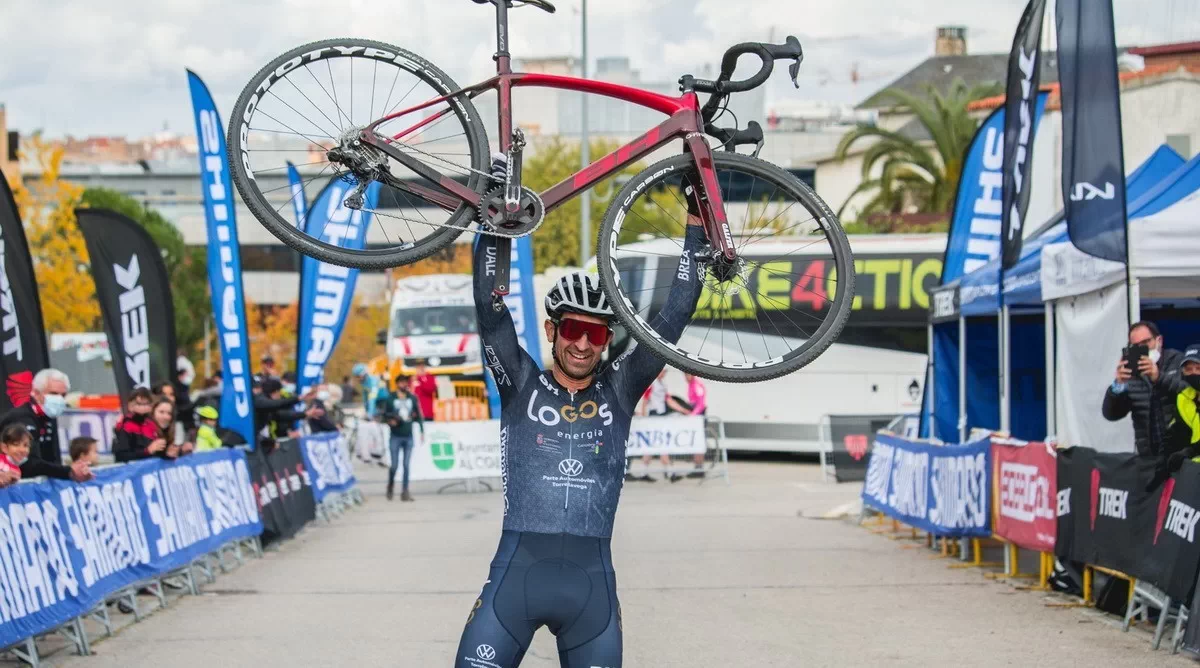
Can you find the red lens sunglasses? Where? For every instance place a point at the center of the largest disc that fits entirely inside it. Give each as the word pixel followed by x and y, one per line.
pixel 571 329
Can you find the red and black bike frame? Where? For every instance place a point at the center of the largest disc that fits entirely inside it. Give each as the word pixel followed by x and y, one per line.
pixel 684 122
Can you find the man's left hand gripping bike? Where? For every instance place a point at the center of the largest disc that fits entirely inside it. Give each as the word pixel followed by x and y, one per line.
pixel 777 267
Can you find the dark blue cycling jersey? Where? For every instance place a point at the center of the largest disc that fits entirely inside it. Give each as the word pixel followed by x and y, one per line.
pixel 562 457
pixel 562 452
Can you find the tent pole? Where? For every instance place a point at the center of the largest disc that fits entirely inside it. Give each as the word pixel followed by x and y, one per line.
pixel 1050 357
pixel 962 379
pixel 1005 381
pixel 930 383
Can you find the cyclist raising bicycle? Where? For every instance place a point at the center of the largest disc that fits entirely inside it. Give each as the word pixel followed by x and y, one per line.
pixel 562 440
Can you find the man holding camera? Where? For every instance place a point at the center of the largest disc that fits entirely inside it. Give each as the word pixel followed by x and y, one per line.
pixel 1147 382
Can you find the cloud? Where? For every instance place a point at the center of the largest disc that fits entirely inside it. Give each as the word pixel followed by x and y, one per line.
pixel 118 67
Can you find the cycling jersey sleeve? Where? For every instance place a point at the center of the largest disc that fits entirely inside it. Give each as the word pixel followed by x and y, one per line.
pixel 633 372
pixel 510 365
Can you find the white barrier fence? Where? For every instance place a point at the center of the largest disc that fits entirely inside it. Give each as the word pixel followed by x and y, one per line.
pixel 455 451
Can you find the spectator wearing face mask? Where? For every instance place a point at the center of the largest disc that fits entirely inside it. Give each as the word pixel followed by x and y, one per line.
pixel 39 416
pixel 1146 391
pixel 137 434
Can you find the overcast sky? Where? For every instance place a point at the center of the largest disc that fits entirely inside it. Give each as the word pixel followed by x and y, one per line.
pixel 117 67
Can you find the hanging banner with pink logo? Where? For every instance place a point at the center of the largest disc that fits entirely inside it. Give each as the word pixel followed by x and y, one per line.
pixel 1026 478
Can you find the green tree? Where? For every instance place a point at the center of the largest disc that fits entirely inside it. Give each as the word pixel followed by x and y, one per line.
pixel 909 173
pixel 556 243
pixel 186 266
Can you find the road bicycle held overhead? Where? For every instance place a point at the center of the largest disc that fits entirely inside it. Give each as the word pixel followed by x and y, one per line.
pixel 413 149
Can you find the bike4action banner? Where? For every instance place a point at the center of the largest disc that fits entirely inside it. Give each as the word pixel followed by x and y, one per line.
pixel 224 265
pixel 23 350
pixel 327 290
pixel 1020 126
pixel 1111 514
pixel 284 490
pixel 1093 173
pixel 1026 478
pixel 941 489
pixel 134 291
pixel 327 458
pixel 66 546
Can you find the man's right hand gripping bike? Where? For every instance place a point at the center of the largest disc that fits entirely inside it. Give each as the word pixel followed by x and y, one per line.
pixel 412 149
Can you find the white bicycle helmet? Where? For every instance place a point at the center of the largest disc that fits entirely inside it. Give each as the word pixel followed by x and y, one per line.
pixel 578 292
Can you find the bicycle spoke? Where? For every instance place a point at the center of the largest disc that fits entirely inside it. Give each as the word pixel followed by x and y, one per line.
pixel 314 104
pixel 374 74
pixel 332 99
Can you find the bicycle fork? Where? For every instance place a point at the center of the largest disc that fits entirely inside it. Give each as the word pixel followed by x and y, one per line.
pixel 712 209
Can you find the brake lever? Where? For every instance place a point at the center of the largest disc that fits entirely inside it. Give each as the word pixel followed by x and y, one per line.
pixel 794 70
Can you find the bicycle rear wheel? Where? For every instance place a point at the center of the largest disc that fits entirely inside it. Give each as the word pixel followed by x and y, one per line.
pixel 776 309
pixel 320 96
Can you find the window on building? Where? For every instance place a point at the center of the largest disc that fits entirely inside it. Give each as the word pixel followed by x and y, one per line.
pixel 1182 144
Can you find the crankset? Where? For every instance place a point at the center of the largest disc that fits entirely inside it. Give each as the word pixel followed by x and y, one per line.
pixel 519 221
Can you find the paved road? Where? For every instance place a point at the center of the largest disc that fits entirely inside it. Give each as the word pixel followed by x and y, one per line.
pixel 709 576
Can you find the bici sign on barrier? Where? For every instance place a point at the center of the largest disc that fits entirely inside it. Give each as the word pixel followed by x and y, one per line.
pixel 328 461
pixel 941 489
pixel 66 546
pixel 1026 486
pixel 457 450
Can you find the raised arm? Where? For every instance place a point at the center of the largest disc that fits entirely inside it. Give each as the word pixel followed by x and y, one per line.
pixel 510 365
pixel 633 372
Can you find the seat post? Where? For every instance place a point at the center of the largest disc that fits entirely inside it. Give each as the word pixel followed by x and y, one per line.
pixel 502 56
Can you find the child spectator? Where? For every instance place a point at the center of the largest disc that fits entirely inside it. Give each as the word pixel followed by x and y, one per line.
pixel 206 434
pixel 14 450
pixel 136 434
pixel 85 449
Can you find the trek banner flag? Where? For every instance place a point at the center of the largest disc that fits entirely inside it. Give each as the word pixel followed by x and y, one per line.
pixel 941 489
pixel 1020 126
pixel 224 265
pixel 134 291
pixel 327 290
pixel 23 350
pixel 1093 174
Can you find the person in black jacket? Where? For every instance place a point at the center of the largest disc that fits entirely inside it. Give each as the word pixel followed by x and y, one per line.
pixel 136 435
pixel 39 415
pixel 275 413
pixel 404 410
pixel 1147 393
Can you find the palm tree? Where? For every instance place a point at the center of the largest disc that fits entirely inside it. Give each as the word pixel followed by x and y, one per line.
pixel 911 174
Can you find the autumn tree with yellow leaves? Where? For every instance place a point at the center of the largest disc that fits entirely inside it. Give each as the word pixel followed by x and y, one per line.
pixel 60 258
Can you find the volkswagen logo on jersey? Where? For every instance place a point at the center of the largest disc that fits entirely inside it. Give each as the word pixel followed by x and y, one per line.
pixel 570 467
pixel 486 652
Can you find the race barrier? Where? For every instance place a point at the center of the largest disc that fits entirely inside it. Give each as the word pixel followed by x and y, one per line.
pixel 1110 516
pixel 283 486
pixel 1110 513
pixel 470 450
pixel 943 490
pixel 1026 477
pixel 327 457
pixel 65 547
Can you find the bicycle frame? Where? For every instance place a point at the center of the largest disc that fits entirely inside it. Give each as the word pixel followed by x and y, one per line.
pixel 684 121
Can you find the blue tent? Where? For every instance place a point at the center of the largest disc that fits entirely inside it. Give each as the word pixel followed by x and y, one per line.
pixel 1161 180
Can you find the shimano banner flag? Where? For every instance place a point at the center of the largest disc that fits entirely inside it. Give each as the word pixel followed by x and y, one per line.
pixel 975 224
pixel 1093 164
pixel 1020 125
pixel 224 265
pixel 23 349
pixel 327 290
pixel 134 292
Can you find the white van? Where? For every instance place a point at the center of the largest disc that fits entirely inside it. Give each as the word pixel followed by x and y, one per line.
pixel 433 320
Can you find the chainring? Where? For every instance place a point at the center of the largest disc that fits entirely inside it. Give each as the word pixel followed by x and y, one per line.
pixel 494 218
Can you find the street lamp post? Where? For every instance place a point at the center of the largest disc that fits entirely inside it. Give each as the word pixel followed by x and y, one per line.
pixel 585 158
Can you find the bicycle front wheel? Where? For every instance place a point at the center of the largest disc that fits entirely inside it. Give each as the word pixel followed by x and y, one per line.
pixel 776 309
pixel 319 97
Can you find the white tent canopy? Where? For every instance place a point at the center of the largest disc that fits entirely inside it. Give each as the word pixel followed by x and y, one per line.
pixel 1090 304
pixel 1165 255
